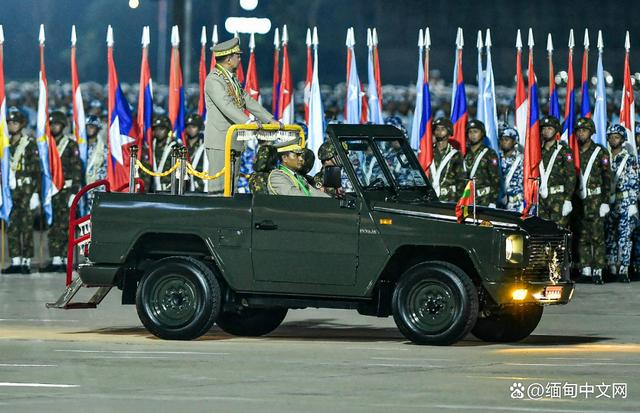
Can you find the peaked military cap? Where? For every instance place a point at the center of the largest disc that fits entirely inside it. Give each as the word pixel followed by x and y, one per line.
pixel 227 47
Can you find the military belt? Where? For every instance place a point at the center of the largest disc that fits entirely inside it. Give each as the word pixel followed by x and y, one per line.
pixel 594 191
pixel 484 191
pixel 67 183
pixel 447 190
pixel 23 181
pixel 556 189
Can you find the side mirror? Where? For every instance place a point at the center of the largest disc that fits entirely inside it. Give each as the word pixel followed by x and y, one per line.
pixel 332 177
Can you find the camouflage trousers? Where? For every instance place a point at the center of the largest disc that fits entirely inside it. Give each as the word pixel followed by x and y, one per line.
pixel 590 241
pixel 58 232
pixel 635 240
pixel 20 230
pixel 551 209
pixel 618 227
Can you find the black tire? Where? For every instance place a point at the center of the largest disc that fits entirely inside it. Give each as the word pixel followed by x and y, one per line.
pixel 435 303
pixel 178 298
pixel 251 322
pixel 509 324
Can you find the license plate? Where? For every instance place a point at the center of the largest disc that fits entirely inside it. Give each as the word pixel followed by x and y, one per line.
pixel 553 293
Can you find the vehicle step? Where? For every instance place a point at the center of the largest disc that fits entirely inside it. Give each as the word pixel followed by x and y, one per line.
pixel 64 302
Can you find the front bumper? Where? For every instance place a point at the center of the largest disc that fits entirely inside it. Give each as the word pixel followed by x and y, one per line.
pixel 545 293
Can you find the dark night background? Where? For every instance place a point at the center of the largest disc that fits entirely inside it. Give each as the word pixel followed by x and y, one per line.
pixel 397 23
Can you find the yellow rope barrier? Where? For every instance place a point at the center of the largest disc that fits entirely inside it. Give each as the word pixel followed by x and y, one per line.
pixel 203 175
pixel 157 174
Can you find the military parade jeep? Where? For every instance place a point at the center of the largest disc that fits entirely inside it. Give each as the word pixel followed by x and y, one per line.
pixel 387 247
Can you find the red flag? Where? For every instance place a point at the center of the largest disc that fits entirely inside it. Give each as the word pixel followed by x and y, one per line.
pixel 79 131
pixel 520 119
pixel 533 148
pixel 307 82
pixel 176 91
pixel 214 41
pixel 425 155
pixel 627 105
pixel 145 100
pixel 251 85
pixel 285 95
pixel 459 114
pixel 239 71
pixel 376 68
pixel 276 74
pixel 55 163
pixel 568 129
pixel 202 72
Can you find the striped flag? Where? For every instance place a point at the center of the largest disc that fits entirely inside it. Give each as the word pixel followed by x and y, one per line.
pixel 425 154
pixel 532 149
pixel 417 112
pixel 286 112
pixel 554 105
pixel 627 106
pixel 202 73
pixel 275 91
pixel 600 106
pixel 145 99
pixel 50 164
pixel 375 109
pixel 122 132
pixel 316 112
pixel 585 107
pixel 467 199
pixel 307 81
pixel 251 85
pixel 79 123
pixel 520 119
pixel 214 42
pixel 459 113
pixel 568 129
pixel 176 91
pixel 6 201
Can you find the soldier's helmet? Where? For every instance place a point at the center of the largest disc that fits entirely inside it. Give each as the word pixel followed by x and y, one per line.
pixel 637 131
pixel 551 121
pixel 326 151
pixel 194 119
pixel 309 158
pixel 161 121
pixel 502 125
pixel 586 123
pixel 94 121
pixel 58 117
pixel 266 158
pixel 476 124
pixel 509 132
pixel 397 122
pixel 443 122
pixel 616 129
pixel 16 115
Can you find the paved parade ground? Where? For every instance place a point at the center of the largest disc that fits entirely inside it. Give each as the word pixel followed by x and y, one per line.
pixel 583 357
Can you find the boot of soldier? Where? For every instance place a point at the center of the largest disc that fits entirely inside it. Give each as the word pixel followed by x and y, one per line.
pixel 597 276
pixel 613 269
pixel 26 266
pixel 54 266
pixel 15 267
pixel 623 275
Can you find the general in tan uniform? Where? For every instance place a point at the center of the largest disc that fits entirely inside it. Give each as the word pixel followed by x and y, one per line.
pixel 226 104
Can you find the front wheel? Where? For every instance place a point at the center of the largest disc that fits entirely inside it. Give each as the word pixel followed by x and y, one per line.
pixel 435 303
pixel 251 322
pixel 508 324
pixel 178 298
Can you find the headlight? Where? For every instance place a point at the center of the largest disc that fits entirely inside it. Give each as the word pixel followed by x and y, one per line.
pixel 513 248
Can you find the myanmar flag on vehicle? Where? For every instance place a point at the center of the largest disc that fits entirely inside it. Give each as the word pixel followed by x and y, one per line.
pixel 467 198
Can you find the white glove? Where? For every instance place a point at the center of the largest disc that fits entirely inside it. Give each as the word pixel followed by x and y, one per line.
pixel 71 198
pixel 567 207
pixel 544 192
pixel 34 202
pixel 604 210
pixel 492 205
pixel 633 210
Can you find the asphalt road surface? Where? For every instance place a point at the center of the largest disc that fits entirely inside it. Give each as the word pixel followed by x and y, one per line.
pixel 583 357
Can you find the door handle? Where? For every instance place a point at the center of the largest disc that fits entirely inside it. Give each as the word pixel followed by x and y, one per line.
pixel 266 225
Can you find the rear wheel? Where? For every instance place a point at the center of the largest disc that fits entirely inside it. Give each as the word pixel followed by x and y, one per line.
pixel 435 303
pixel 508 324
pixel 178 298
pixel 251 322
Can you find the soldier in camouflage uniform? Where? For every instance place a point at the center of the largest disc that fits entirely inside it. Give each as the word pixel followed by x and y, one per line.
pixel 25 190
pixel 592 202
pixel 196 151
pixel 512 171
pixel 163 145
pixel 61 202
pixel 308 160
pixel 481 163
pixel 557 174
pixel 635 257
pixel 265 162
pixel 622 201
pixel 446 172
pixel 96 156
pixel 328 156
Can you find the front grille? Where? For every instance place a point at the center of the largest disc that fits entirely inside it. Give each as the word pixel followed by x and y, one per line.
pixel 540 251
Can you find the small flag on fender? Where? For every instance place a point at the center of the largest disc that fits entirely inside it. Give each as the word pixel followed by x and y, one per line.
pixel 467 198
